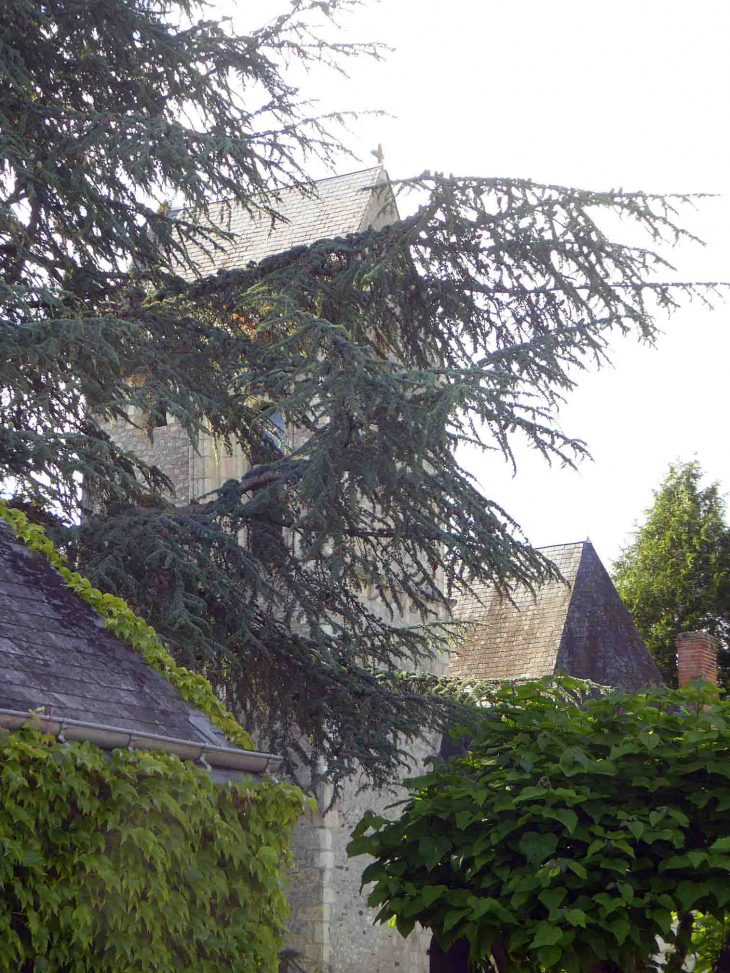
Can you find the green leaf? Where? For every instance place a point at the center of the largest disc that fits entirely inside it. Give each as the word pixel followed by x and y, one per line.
pixel 626 891
pixel 546 934
pixel 650 740
pixel 529 793
pixel 576 867
pixel 663 918
pixel 463 819
pixel 452 918
pixel 565 815
pixel 675 862
pixel 636 828
pixel 549 956
pixel 607 902
pixel 619 927
pixel 536 847
pixel 689 892
pixel 576 917
pixel 432 850
pixel 595 846
pixel 552 898
pixel 431 893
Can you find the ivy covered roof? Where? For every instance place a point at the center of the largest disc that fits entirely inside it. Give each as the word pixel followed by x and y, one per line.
pixel 342 204
pixel 580 627
pixel 55 653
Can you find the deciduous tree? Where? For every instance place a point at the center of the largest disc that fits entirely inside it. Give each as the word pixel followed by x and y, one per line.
pixel 571 834
pixel 675 576
pixel 464 322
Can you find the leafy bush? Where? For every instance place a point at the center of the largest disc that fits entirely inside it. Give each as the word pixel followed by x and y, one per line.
pixel 708 939
pixel 569 834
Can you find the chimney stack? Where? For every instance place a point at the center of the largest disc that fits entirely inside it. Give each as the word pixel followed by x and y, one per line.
pixel 696 657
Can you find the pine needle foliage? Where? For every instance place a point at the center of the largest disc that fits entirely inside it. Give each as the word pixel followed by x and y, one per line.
pixel 675 576
pixel 464 323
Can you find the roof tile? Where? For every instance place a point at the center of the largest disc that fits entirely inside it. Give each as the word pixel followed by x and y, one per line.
pixel 580 627
pixel 54 654
pixel 342 204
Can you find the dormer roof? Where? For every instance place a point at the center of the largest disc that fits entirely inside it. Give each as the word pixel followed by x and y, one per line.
pixel 579 626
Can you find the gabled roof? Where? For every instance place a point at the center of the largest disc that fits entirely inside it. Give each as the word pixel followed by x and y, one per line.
pixel 342 205
pixel 581 628
pixel 55 654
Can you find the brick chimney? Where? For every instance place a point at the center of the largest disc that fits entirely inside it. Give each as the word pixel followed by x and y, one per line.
pixel 696 657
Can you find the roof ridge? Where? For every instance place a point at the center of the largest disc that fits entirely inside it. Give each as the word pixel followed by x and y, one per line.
pixel 546 547
pixel 287 189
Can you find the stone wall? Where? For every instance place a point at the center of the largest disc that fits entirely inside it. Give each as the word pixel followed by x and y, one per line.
pixel 170 449
pixel 357 945
pixel 331 926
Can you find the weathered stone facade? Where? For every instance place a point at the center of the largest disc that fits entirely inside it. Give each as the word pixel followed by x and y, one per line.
pixel 331 924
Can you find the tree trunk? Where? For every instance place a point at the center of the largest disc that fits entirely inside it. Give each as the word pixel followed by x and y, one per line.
pixel 675 963
pixel 455 961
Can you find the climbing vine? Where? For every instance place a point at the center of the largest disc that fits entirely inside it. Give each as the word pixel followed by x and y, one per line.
pixel 136 861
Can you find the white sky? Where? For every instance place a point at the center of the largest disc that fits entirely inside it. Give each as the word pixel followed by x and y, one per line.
pixel 632 94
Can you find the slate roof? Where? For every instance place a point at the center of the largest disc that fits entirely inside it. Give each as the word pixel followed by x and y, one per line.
pixel 55 653
pixel 582 628
pixel 343 204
